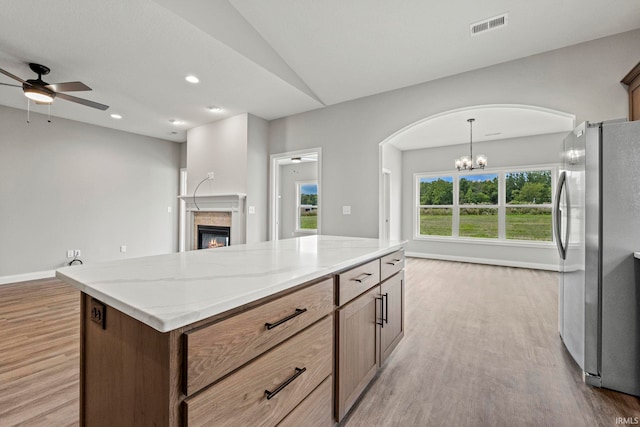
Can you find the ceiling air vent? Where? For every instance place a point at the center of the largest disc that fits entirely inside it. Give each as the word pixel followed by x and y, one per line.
pixel 489 24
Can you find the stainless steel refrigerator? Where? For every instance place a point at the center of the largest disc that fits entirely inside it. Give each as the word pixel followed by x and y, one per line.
pixel 597 230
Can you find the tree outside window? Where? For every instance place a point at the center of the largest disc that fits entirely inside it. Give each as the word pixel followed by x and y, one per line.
pixel 436 206
pixel 528 213
pixel 479 206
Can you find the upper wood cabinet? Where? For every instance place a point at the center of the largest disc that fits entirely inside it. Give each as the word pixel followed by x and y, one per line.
pixel 632 80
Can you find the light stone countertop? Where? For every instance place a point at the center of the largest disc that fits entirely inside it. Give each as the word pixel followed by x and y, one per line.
pixel 636 255
pixel 169 291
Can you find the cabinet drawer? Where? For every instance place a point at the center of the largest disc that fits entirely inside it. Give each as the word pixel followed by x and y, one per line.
pixel 215 350
pixel 391 264
pixel 290 372
pixel 354 282
pixel 314 411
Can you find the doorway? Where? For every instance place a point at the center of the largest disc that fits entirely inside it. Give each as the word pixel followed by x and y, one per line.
pixel 295 194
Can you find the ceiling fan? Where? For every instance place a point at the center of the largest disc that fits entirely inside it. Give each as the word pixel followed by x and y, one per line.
pixel 44 93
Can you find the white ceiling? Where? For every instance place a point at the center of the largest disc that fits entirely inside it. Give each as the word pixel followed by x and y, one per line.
pixel 270 58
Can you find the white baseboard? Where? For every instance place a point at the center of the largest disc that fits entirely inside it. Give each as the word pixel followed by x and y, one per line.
pixel 500 262
pixel 27 276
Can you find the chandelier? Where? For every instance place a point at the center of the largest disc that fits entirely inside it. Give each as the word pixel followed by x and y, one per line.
pixel 467 162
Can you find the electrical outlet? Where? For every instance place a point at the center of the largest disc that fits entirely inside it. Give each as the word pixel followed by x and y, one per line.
pixel 252 210
pixel 123 248
pixel 210 175
pixel 77 253
pixel 169 209
pixel 70 253
pixel 346 210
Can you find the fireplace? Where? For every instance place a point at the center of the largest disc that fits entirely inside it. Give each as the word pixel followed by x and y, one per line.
pixel 213 236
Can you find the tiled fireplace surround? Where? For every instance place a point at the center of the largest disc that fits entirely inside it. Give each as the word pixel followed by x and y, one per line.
pixel 225 210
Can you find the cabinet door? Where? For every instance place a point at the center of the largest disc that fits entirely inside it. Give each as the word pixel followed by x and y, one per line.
pixel 357 349
pixel 392 328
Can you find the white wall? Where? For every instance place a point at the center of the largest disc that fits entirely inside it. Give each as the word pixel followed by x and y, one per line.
pixel 69 185
pixel 257 182
pixel 581 80
pixel 221 148
pixel 529 151
pixel 289 175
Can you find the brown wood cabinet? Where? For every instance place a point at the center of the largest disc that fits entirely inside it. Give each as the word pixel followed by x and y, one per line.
pixel 632 80
pixel 357 349
pixel 392 325
pixel 251 366
pixel 368 327
pixel 293 358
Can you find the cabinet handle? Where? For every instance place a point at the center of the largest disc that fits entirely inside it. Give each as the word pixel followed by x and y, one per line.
pixel 381 323
pixel 385 316
pixel 394 261
pixel 361 278
pixel 270 394
pixel 298 312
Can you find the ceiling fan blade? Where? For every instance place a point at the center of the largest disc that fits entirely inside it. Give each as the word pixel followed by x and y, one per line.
pixel 82 101
pixel 7 84
pixel 8 74
pixel 68 87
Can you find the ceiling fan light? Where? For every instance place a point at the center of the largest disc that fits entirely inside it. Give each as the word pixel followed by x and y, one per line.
pixel 38 95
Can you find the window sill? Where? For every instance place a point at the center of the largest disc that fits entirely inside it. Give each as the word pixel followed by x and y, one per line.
pixel 484 241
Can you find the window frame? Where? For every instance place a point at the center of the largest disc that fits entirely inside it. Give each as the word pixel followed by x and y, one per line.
pixel 501 240
pixel 299 185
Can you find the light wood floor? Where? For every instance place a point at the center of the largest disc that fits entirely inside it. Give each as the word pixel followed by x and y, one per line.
pixel 481 348
pixel 39 354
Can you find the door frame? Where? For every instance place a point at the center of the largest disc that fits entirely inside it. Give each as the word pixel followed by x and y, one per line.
pixel 274 185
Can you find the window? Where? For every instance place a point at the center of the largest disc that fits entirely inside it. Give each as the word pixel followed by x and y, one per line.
pixel 528 211
pixel 503 205
pixel 478 197
pixel 307 206
pixel 436 206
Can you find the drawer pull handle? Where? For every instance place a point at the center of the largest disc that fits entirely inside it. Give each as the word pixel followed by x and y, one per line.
pixel 298 312
pixel 270 394
pixel 361 278
pixel 394 261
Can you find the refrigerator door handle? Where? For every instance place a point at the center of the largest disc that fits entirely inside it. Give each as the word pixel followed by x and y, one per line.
pixel 562 249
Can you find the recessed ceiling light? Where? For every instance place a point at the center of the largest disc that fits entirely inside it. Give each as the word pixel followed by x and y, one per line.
pixel 176 122
pixel 192 79
pixel 214 109
pixel 116 116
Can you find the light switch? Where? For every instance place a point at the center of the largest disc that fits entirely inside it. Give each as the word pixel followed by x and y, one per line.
pixel 346 210
pixel 168 209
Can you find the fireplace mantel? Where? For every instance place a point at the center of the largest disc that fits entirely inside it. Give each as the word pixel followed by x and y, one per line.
pixel 223 202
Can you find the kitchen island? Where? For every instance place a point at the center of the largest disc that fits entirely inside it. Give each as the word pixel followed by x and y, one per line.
pixel 240 334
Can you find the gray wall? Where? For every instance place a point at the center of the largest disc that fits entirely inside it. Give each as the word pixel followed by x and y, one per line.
pixel 257 181
pixel 581 80
pixel 236 151
pixel 221 148
pixel 69 185
pixel 289 175
pixel 392 162
pixel 530 151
